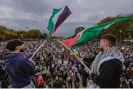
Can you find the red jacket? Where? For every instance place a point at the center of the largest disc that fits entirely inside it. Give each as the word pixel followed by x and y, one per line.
pixel 65 56
pixel 40 80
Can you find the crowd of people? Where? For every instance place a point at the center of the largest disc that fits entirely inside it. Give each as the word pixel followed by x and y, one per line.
pixel 56 67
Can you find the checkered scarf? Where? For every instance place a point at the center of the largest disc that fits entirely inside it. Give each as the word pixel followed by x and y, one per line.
pixel 110 52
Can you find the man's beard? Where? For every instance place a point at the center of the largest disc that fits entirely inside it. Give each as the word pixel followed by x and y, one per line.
pixel 101 49
pixel 22 50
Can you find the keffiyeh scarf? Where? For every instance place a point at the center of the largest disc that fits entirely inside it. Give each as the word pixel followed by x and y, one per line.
pixel 110 54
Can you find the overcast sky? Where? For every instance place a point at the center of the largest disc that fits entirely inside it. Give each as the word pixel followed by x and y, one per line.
pixel 36 13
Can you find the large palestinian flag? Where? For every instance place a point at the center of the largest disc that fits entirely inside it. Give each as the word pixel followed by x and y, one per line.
pixel 89 34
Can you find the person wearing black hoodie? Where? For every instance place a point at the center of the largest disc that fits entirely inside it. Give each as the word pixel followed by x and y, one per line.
pixel 57 82
pixel 107 67
pixel 18 66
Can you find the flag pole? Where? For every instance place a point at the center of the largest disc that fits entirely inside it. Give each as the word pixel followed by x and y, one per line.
pixel 38 49
pixel 76 56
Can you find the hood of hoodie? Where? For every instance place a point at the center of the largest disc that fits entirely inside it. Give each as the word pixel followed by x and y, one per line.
pixel 11 58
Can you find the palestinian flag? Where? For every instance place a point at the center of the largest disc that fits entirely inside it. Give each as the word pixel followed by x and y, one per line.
pixel 51 23
pixel 89 34
pixel 62 17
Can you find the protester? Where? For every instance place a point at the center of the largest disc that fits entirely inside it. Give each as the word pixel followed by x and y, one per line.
pixel 18 66
pixel 57 82
pixel 40 80
pixel 107 66
pixel 85 77
pixel 76 81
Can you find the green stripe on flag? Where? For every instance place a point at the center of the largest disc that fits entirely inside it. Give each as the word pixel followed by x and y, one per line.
pixel 93 32
pixel 51 23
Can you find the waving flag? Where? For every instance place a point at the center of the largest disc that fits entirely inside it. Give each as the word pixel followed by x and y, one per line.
pixel 89 34
pixel 62 17
pixel 51 23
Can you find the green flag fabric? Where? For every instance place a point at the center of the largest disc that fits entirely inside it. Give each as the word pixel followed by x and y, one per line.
pixel 89 34
pixel 93 32
pixel 51 23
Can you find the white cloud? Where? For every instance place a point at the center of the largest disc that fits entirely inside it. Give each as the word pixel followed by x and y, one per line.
pixel 35 13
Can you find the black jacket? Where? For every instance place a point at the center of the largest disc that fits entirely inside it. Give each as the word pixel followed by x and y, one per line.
pixel 57 84
pixel 110 73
